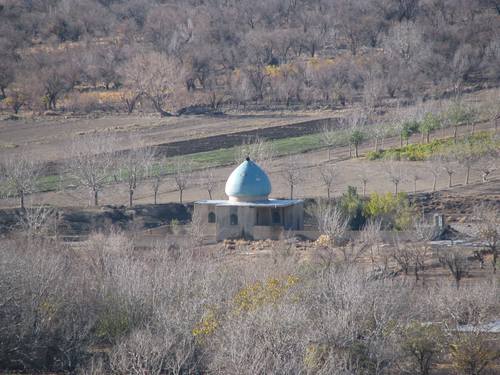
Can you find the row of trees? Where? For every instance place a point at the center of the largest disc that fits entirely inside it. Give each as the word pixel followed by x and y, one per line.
pixel 181 53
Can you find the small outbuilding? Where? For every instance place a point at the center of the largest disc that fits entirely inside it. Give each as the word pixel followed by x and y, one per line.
pixel 249 213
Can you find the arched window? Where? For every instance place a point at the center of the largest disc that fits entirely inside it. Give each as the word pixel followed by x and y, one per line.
pixel 211 217
pixel 233 219
pixel 276 217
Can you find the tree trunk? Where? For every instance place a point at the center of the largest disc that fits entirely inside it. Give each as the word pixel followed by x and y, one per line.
pixel 415 187
pixel 467 174
pixel 356 150
pixel 497 120
pixel 449 180
pixel 396 189
pixel 130 197
pixel 210 194
pixel 494 261
pixel 473 130
pixel 427 137
pixel 328 193
pixel 21 199
pixel 434 184
pixel 291 191
pixel 2 90
pixel 96 198
pixel 401 140
pixel 329 154
pixel 156 195
pixel 455 130
pixel 350 150
pixel 376 145
pixel 180 196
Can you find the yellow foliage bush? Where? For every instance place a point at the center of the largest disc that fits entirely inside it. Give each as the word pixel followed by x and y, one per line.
pixel 323 240
pixel 260 293
pixel 207 325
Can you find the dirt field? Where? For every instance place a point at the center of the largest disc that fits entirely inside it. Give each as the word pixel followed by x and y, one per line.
pixel 48 138
pixel 348 174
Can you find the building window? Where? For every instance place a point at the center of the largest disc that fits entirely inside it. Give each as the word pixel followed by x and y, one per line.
pixel 276 217
pixel 233 219
pixel 211 217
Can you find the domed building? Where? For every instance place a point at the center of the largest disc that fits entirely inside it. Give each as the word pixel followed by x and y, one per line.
pixel 248 212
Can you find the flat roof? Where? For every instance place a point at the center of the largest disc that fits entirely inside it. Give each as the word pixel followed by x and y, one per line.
pixel 262 203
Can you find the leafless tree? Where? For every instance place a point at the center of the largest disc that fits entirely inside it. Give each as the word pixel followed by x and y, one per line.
pixel 403 257
pixel 328 173
pixel 492 108
pixel 157 77
pixel 330 220
pixel 91 163
pixel 415 176
pixel 488 229
pixel 396 174
pixel 435 167
pixel 155 172
pixel 208 181
pixel 364 176
pixel 329 137
pixel 487 165
pixel 258 149
pixel 133 166
pixel 20 173
pixel 292 173
pixel 449 165
pixel 355 123
pixel 371 236
pixel 182 175
pixel 457 263
pixel 467 156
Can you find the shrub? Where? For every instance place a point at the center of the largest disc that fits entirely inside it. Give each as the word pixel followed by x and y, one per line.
pixel 394 212
pixel 351 205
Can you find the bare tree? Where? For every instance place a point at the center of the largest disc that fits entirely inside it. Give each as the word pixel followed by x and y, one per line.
pixel 330 220
pixel 449 165
pixel 292 173
pixel 487 165
pixel 492 108
pixel 457 263
pixel 155 174
pixel 92 163
pixel 434 166
pixel 20 174
pixel 182 175
pixel 364 176
pixel 356 135
pixel 467 156
pixel 415 176
pixel 208 181
pixel 329 137
pixel 157 77
pixel 396 174
pixel 371 236
pixel 258 149
pixel 133 166
pixel 328 174
pixel 488 229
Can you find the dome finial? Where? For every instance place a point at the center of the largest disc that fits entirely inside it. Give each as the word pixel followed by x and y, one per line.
pixel 247 158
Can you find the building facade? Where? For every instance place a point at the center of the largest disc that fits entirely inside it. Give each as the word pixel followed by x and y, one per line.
pixel 248 212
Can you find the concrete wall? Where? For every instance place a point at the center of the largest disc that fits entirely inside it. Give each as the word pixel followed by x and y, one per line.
pixel 292 218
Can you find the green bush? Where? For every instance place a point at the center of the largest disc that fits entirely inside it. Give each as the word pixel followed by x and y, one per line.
pixel 351 205
pixel 393 211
